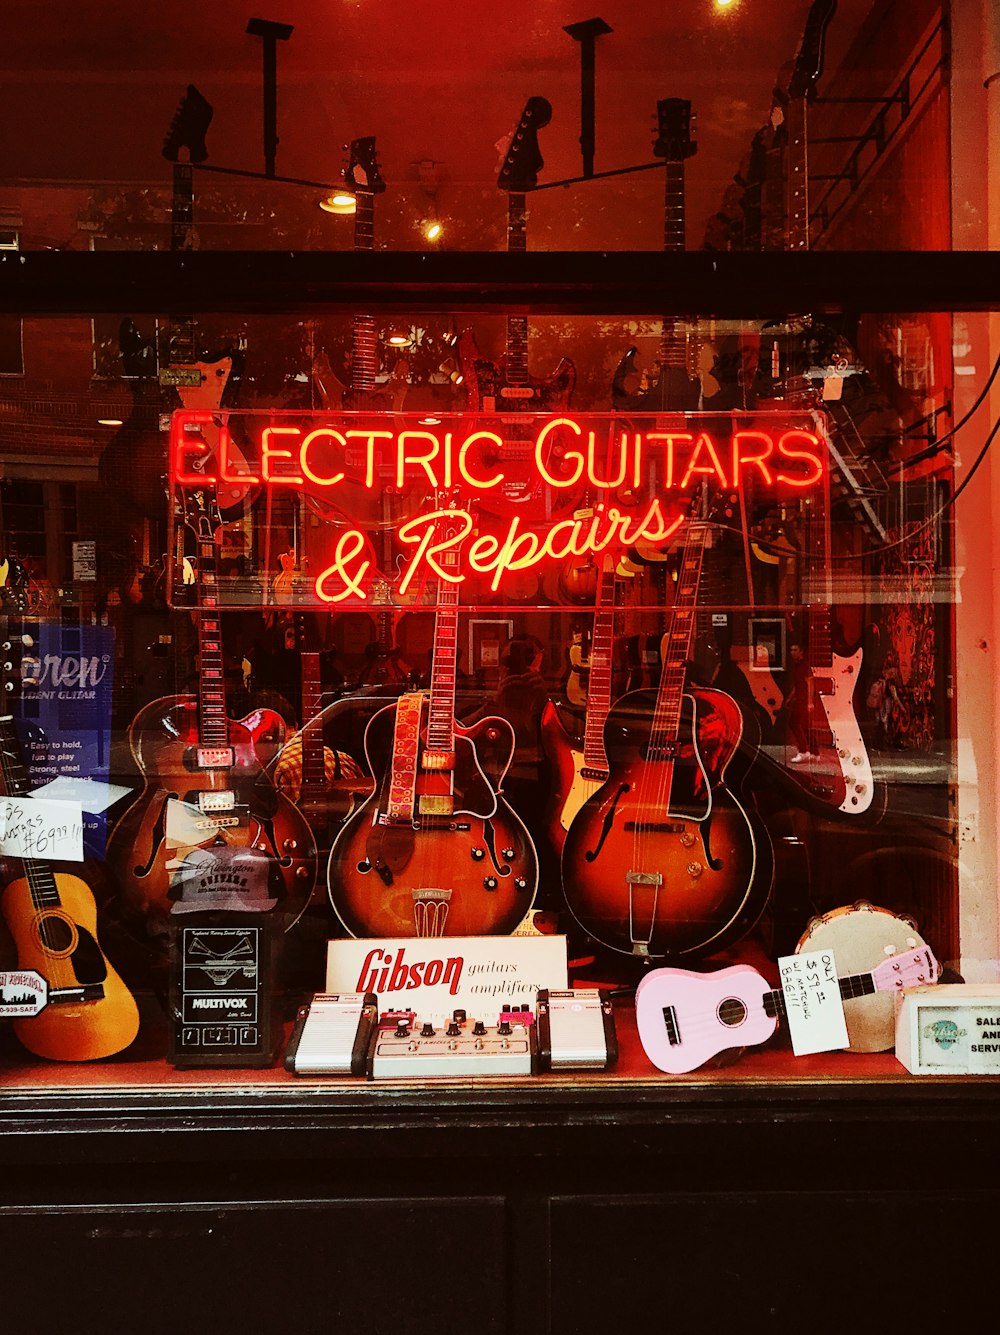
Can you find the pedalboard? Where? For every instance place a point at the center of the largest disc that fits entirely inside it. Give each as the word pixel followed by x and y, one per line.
pixel 457 1047
pixel 344 1034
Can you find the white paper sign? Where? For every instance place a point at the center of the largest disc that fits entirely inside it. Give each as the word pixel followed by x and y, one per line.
pixel 36 828
pixel 93 795
pixel 23 993
pixel 436 975
pixel 813 1004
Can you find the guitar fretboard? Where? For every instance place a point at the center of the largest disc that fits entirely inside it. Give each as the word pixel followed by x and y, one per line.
pixel 517 325
pixel 364 336
pixel 600 672
pixel 857 985
pixel 673 349
pixel 441 705
pixel 180 339
pixel 41 881
pixel 213 725
pixel 677 649
pixel 313 771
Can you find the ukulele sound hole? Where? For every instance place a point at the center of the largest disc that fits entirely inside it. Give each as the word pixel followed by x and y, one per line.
pixel 732 1012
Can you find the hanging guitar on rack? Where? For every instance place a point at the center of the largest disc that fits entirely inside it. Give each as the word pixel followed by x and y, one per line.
pixel 436 850
pixel 669 386
pixel 135 462
pixel 208 810
pixel 52 917
pixel 508 387
pixel 351 501
pixel 663 860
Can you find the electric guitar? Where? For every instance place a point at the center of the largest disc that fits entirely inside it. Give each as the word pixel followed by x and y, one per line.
pixel 135 461
pixel 671 385
pixel 208 808
pixel 663 860
pixel 436 850
pixel 380 506
pixel 508 387
pixel 580 772
pixel 685 1018
pixel 52 917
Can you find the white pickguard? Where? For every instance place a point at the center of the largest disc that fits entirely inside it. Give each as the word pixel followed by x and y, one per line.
pixel 580 790
pixel 839 708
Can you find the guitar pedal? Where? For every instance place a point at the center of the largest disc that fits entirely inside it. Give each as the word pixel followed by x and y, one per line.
pixel 332 1034
pixel 576 1031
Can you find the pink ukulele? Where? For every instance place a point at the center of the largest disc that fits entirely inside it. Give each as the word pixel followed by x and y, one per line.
pixel 685 1018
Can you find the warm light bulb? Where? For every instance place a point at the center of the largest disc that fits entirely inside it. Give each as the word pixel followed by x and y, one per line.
pixel 339 203
pixel 724 4
pixel 109 421
pixel 433 230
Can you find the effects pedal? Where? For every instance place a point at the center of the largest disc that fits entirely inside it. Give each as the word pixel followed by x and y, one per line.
pixel 576 1031
pixel 332 1034
pixel 456 1047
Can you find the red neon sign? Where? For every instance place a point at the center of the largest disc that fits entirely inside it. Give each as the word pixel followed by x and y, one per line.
pixel 631 481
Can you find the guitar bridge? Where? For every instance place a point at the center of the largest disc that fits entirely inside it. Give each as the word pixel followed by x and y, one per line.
pixel 68 996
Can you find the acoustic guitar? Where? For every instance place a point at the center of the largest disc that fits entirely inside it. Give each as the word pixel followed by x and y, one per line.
pixel 52 917
pixel 435 850
pixel 663 860
pixel 208 809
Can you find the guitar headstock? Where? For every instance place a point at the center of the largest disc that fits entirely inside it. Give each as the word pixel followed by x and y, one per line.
pixel 674 139
pixel 200 511
pixel 522 158
pixel 188 128
pixel 910 969
pixel 809 61
pixel 362 171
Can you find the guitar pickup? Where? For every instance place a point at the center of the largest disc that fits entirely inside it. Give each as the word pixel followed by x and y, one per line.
pixel 435 804
pixel 216 757
pixel 438 760
pixel 517 392
pixel 217 823
pixel 68 996
pixel 181 377
pixel 223 800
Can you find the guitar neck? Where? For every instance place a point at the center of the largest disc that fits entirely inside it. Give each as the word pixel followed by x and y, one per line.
pixel 599 688
pixel 673 350
pixel 516 361
pixel 677 648
pixel 313 770
pixel 213 723
pixel 797 175
pixel 444 666
pixel 364 336
pixel 39 875
pixel 856 985
pixel 180 338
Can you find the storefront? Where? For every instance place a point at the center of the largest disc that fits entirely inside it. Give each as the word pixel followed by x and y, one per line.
pixel 498 749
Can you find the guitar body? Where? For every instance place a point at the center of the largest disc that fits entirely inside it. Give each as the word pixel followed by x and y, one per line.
pixel 684 1019
pixel 672 391
pixel 470 873
pixel 836 692
pixel 574 781
pixel 164 742
pixel 59 941
pixel 663 860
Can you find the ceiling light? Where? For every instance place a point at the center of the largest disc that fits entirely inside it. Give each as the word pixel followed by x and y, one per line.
pixel 432 229
pixel 109 421
pixel 342 202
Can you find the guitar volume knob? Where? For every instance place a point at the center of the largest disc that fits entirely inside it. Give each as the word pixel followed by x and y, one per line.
pixel 695 869
pixel 508 854
pixel 490 882
pixel 478 854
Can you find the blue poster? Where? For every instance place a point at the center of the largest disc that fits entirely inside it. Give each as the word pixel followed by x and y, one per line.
pixel 62 707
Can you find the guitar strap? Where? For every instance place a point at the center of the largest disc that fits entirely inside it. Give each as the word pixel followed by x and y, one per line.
pixel 405 748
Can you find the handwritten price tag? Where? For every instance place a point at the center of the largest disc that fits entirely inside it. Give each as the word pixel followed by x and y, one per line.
pixel 813 1004
pixel 37 828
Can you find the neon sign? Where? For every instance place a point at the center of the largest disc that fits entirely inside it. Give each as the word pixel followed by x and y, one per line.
pixel 321 456
pixel 524 491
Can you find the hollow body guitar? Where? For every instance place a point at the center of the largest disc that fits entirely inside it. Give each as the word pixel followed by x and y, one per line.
pixel 663 860
pixel 436 850
pixel 52 917
pixel 209 818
